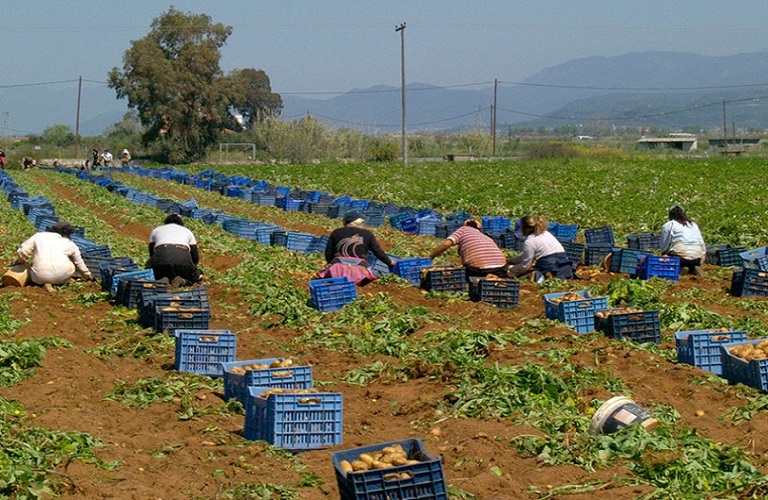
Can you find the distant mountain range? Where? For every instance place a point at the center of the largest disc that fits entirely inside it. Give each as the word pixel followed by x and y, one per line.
pixel 669 90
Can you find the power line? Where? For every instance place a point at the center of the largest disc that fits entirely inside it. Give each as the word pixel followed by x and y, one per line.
pixel 635 89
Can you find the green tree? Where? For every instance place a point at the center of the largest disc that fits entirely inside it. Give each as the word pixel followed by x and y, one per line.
pixel 173 79
pixel 59 135
pixel 254 98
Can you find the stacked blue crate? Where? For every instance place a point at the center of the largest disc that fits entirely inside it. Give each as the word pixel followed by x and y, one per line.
pixel 495 225
pixel 427 225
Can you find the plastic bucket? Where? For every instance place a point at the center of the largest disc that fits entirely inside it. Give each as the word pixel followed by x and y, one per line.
pixel 620 412
pixel 17 275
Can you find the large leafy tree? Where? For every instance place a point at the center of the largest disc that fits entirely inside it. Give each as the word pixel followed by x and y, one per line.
pixel 173 79
pixel 254 98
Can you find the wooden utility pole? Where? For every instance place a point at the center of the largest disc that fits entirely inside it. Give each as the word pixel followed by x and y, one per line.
pixel 725 129
pixel 77 119
pixel 401 29
pixel 493 115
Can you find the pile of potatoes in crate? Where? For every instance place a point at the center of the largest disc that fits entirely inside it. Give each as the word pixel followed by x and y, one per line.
pixel 240 370
pixel 621 310
pixel 749 352
pixel 387 457
pixel 568 297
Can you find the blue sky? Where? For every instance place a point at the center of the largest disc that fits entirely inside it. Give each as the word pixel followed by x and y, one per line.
pixel 317 47
pixel 329 46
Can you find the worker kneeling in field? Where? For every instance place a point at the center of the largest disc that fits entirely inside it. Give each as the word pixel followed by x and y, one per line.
pixel 173 253
pixel 681 237
pixel 480 255
pixel 542 254
pixel 347 251
pixel 55 259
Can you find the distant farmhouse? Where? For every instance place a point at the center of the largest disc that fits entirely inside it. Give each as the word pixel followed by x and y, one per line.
pixel 681 142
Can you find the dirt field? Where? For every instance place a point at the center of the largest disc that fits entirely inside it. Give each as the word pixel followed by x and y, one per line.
pixel 165 458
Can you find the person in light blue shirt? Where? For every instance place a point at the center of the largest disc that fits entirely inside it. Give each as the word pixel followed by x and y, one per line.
pixel 681 237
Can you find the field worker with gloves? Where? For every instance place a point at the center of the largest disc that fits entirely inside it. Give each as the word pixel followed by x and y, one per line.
pixel 480 255
pixel 54 257
pixel 681 237
pixel 173 253
pixel 542 254
pixel 347 251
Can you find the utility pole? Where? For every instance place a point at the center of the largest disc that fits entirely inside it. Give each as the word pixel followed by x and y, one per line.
pixel 725 129
pixel 401 29
pixel 5 122
pixel 493 115
pixel 77 119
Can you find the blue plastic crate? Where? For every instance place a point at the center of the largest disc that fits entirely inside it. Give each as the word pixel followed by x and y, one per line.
pixel 147 274
pixel 423 480
pixel 129 291
pixel 331 294
pixel 409 225
pixel 643 241
pixel 444 279
pixel 97 251
pixel 564 232
pixel 725 255
pixel 409 268
pixel 263 199
pixel 747 282
pixel 599 236
pixel 169 319
pixel 374 218
pixel 294 421
pixel 319 207
pixel 203 351
pixel 624 260
pixel 378 267
pixel 495 224
pixel 753 373
pixel 502 293
pixel 396 219
pixel 664 267
pixel 446 229
pixel 574 251
pixel 579 313
pixel 149 301
pixel 298 241
pixel 291 204
pixel 701 348
pixel 237 381
pixel 426 226
pixel 514 240
pixel 595 254
pixel 318 244
pixel 359 204
pixel 640 327
pixel 756 258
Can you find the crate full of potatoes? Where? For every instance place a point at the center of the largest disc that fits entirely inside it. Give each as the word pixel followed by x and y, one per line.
pixel 397 469
pixel 630 323
pixel 294 419
pixel 747 363
pixel 267 372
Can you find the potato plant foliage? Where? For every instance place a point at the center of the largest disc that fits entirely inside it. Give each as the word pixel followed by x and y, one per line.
pixel 545 390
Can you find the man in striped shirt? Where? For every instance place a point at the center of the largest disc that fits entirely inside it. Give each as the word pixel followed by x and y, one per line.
pixel 479 254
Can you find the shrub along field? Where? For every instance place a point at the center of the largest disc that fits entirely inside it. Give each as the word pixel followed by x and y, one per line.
pixel 92 406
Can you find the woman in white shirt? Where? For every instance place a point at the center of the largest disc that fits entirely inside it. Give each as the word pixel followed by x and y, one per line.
pixel 55 258
pixel 173 253
pixel 542 252
pixel 681 237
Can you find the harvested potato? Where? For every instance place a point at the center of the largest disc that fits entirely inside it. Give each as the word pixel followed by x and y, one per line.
pixel 345 466
pixel 359 465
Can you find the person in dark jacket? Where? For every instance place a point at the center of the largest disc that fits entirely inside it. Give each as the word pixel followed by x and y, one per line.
pixel 347 251
pixel 173 253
